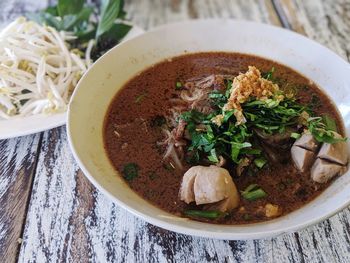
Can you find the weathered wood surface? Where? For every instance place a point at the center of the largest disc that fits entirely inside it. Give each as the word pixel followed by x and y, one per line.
pixel 68 220
pixel 17 166
pixel 17 163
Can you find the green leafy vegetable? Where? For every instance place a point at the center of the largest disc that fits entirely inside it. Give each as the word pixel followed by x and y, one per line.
pixel 193 116
pixel 320 131
pixel 329 122
pixel 110 10
pixel 130 171
pixel 70 22
pixel 272 115
pixel 295 135
pixel 74 16
pixel 205 214
pixel 68 7
pixel 260 162
pixel 269 74
pixel 216 134
pixel 218 98
pixel 213 157
pixel 253 192
pixel 117 31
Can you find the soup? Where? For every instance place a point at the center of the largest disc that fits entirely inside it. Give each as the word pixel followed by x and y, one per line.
pixel 225 138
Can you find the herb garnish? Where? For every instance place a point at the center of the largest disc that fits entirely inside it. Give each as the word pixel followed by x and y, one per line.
pixel 205 214
pixel 323 132
pixel 130 171
pixel 234 142
pixel 295 135
pixel 79 18
pixel 269 75
pixel 260 162
pixel 178 85
pixel 253 192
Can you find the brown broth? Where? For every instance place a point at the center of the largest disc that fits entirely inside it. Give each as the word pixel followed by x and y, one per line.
pixel 147 95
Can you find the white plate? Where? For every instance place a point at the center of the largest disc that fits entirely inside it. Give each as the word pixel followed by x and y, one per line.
pixel 37 123
pixel 96 89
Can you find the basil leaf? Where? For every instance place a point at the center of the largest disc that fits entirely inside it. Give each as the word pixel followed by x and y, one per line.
pixel 213 157
pixel 68 7
pixel 52 10
pixel 260 162
pixel 329 122
pixel 46 19
pixel 117 31
pixel 109 13
pixel 70 21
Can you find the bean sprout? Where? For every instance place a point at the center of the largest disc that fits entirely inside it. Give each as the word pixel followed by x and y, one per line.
pixel 38 70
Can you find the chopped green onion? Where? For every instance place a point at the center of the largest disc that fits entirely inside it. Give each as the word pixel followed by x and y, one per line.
pixel 253 192
pixel 205 214
pixel 228 114
pixel 178 85
pixel 329 122
pixel 295 135
pixel 269 75
pixel 213 157
pixel 260 162
pixel 140 97
pixel 130 171
pixel 251 151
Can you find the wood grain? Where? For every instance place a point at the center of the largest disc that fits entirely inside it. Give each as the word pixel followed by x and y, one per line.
pixel 327 22
pixel 70 221
pixel 17 166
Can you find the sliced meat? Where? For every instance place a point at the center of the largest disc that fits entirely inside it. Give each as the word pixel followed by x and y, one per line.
pixel 302 158
pixel 180 129
pixel 186 190
pixel 276 154
pixel 323 170
pixel 208 185
pixel 308 142
pixel 276 139
pixel 335 152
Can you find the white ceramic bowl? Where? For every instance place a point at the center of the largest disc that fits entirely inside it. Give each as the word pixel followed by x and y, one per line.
pixel 97 88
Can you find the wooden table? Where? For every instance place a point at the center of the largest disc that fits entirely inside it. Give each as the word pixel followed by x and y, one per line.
pixel 51 213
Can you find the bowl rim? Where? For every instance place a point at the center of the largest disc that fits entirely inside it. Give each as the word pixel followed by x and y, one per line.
pixel 186 229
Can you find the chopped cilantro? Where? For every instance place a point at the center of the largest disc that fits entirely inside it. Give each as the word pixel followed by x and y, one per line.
pixel 130 171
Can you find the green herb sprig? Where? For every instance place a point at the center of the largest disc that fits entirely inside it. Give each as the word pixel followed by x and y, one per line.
pixel 78 17
pixel 205 214
pixel 253 192
pixel 130 171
